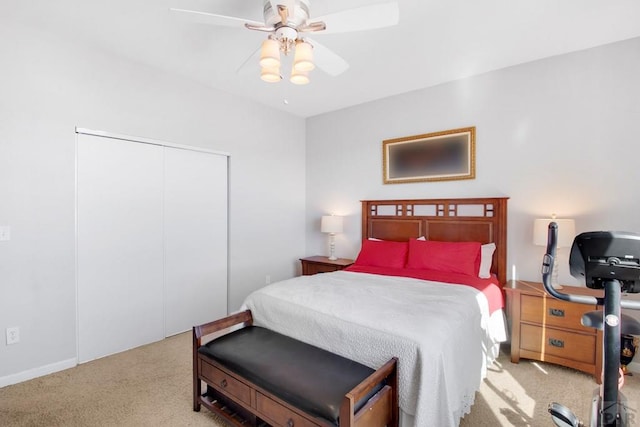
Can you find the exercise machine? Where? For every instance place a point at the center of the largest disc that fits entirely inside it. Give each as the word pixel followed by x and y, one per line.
pixel 609 261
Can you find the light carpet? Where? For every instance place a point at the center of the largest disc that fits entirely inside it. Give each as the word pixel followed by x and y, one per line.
pixel 151 386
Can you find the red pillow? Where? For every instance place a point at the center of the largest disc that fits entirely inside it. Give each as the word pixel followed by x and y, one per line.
pixel 383 253
pixel 449 257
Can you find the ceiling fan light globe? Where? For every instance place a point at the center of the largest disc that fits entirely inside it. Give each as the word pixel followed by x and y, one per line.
pixel 304 66
pixel 270 54
pixel 299 77
pixel 269 63
pixel 270 74
pixel 303 58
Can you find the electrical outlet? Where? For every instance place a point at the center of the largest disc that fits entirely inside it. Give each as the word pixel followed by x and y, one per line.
pixel 13 336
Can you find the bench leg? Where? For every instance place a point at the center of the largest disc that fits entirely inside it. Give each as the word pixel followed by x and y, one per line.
pixel 197 391
pixel 197 384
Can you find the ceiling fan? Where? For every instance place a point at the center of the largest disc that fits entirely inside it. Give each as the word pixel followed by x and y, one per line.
pixel 287 21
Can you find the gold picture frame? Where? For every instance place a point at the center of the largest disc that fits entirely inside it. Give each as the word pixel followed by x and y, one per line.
pixel 439 156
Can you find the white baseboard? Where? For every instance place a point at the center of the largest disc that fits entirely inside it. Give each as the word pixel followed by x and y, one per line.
pixel 37 372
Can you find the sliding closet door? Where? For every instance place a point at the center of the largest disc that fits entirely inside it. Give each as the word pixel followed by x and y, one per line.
pixel 119 245
pixel 195 217
pixel 151 241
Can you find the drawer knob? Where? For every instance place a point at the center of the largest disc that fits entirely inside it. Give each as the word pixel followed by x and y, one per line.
pixel 556 343
pixel 557 312
pixel 223 383
pixel 290 422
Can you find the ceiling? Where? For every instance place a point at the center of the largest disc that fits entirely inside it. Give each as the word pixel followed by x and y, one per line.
pixel 436 41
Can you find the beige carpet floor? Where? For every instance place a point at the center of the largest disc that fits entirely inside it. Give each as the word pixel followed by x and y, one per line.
pixel 151 386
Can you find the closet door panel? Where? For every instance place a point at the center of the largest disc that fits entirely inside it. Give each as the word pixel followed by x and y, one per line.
pixel 119 245
pixel 195 245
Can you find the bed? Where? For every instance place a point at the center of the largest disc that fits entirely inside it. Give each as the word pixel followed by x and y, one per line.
pixel 414 292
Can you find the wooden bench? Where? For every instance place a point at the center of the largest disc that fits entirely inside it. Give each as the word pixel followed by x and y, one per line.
pixel 257 377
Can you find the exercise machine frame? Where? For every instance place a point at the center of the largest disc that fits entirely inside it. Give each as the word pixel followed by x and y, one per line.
pixel 609 407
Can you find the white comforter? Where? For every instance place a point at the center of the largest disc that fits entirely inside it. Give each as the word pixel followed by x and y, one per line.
pixel 440 332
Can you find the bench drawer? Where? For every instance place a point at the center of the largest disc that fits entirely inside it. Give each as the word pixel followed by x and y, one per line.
pixel 222 381
pixel 279 413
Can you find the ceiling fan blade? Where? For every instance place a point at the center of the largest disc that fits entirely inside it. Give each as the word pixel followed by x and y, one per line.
pixel 327 60
pixel 250 65
pixel 290 5
pixel 311 27
pixel 283 12
pixel 260 27
pixel 214 19
pixel 361 18
pixel 286 9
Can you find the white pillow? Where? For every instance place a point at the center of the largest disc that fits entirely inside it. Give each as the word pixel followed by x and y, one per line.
pixel 486 259
pixel 486 256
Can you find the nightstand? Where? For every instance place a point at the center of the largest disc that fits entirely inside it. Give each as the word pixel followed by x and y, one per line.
pixel 322 264
pixel 546 329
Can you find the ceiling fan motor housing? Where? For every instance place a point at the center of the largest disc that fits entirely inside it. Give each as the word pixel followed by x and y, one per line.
pixel 287 37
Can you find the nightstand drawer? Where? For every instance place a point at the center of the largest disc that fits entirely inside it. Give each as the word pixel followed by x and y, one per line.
pixel 552 312
pixel 320 264
pixel 319 268
pixel 559 343
pixel 543 328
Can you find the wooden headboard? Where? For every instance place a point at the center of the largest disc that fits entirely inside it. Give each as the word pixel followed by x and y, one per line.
pixel 481 220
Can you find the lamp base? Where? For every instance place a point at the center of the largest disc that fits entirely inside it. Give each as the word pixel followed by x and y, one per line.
pixel 332 247
pixel 554 276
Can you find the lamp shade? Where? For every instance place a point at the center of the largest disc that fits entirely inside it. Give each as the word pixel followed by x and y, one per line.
pixel 270 75
pixel 331 224
pixel 566 231
pixel 299 77
pixel 303 58
pixel 270 54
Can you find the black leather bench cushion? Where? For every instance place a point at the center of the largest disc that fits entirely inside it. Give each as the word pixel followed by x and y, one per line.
pixel 310 378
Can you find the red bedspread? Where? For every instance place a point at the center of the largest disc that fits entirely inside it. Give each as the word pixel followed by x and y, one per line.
pixel 489 287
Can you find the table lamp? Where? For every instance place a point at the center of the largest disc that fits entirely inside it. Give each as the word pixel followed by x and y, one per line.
pixel 331 224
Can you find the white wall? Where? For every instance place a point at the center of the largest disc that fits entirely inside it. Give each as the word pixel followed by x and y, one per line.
pixel 557 135
pixel 48 86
